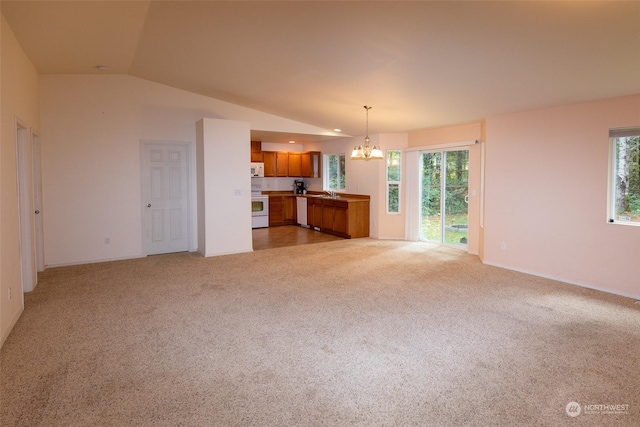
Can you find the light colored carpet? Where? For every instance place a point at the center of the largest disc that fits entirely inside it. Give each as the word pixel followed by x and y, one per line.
pixel 352 332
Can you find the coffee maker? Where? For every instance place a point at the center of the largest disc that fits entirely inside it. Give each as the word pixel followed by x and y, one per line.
pixel 299 187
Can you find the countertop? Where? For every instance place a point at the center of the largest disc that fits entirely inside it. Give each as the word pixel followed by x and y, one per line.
pixel 317 194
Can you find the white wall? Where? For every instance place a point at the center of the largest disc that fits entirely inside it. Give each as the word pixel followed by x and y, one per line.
pixel 19 94
pixel 18 100
pixel 224 205
pixel 546 195
pixel 92 126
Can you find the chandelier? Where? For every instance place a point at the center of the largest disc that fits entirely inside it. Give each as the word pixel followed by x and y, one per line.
pixel 367 152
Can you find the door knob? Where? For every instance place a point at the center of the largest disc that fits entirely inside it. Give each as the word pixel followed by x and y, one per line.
pixel 37 212
pixel 148 205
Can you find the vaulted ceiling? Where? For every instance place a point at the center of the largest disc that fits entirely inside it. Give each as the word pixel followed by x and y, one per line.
pixel 419 64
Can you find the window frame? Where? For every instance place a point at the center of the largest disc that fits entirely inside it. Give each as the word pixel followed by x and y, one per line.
pixel 614 135
pixel 326 176
pixel 390 183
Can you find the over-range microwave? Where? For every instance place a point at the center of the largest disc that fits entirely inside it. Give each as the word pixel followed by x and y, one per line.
pixel 257 170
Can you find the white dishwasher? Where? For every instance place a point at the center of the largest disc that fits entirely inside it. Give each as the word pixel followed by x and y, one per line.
pixel 301 212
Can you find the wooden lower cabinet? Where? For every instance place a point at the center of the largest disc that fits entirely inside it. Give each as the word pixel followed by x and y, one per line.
pixel 282 210
pixel 340 215
pixel 314 212
pixel 275 211
pixel 346 218
pixel 328 209
pixel 289 209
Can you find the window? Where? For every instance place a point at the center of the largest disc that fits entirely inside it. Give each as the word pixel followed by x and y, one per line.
pixel 624 203
pixel 334 176
pixel 394 172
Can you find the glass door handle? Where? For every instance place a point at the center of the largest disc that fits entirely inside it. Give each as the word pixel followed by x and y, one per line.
pixel 466 199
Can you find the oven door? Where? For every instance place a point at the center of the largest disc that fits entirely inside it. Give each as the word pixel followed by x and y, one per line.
pixel 259 211
pixel 260 206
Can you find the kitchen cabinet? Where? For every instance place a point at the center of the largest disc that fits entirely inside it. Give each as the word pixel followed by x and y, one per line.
pixel 282 210
pixel 311 164
pixel 343 217
pixel 276 163
pixel 340 214
pixel 295 167
pixel 328 208
pixel 282 163
pixel 256 151
pixel 269 159
pixel 314 212
pixel 275 211
pixel 289 209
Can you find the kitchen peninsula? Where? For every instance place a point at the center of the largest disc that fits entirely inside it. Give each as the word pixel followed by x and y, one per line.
pixel 345 215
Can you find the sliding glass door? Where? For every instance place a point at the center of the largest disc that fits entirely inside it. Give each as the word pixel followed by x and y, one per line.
pixel 444 198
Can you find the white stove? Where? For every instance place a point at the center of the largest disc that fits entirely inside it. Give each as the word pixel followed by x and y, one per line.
pixel 259 207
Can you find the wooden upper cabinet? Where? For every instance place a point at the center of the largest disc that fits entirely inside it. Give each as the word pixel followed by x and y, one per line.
pixel 311 164
pixel 282 163
pixel 256 151
pixel 269 159
pixel 295 167
pixel 305 165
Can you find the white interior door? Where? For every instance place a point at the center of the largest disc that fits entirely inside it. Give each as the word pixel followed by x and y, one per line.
pixel 25 201
pixel 165 197
pixel 37 203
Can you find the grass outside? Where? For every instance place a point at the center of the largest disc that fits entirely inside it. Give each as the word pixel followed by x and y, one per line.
pixel 431 229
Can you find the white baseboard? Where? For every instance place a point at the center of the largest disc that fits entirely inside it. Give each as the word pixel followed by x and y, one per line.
pixel 93 261
pixel 225 253
pixel 571 282
pixel 12 323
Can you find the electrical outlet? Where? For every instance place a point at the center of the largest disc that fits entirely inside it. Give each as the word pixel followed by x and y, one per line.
pixel 504 246
pixel 107 240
